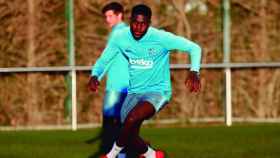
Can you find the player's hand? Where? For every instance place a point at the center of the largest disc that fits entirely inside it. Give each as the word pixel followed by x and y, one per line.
pixel 193 81
pixel 93 83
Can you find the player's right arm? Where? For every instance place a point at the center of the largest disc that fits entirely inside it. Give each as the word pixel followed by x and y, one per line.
pixel 111 37
pixel 101 64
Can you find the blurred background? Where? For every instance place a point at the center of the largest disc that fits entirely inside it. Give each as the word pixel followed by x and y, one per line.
pixel 37 34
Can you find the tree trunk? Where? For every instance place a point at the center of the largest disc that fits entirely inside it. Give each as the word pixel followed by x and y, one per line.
pixel 32 98
pixel 262 93
pixel 183 26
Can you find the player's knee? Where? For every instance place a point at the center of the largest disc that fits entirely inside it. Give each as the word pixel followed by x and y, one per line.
pixel 132 120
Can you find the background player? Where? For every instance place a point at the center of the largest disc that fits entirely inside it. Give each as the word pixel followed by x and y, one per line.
pixel 117 81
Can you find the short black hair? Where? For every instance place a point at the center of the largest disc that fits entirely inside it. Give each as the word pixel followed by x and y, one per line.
pixel 141 9
pixel 115 6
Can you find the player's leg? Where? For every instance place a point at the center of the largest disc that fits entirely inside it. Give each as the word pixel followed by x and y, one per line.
pixel 142 111
pixel 134 148
pixel 113 101
pixel 142 147
pixel 135 110
pixel 130 132
pixel 139 112
pixel 158 100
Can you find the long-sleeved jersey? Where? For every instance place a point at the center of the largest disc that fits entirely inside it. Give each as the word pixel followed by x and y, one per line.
pixel 148 58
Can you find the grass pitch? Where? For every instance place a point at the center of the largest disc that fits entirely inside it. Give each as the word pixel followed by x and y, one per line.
pixel 238 141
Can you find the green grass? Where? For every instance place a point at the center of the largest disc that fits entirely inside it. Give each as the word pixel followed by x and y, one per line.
pixel 238 141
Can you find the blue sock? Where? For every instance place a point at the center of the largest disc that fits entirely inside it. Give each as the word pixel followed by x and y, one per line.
pixel 121 155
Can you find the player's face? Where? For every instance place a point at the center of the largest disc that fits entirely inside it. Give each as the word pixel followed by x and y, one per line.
pixel 139 25
pixel 112 18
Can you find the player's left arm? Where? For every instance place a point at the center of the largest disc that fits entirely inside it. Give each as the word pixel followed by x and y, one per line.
pixel 174 42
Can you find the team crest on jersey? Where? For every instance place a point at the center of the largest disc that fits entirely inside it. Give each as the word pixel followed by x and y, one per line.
pixel 152 51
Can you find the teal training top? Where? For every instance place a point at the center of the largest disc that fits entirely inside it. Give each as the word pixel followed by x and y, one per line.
pixel 117 69
pixel 148 58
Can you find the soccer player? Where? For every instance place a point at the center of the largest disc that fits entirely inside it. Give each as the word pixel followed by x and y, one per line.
pixel 117 81
pixel 147 51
